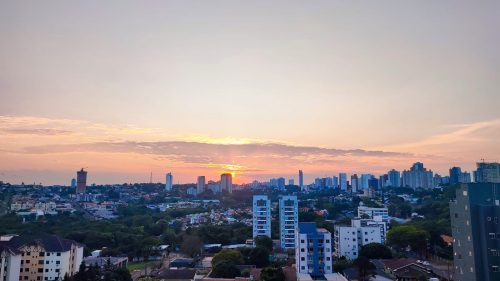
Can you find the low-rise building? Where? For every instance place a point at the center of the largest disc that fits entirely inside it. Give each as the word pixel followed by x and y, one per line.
pixel 47 257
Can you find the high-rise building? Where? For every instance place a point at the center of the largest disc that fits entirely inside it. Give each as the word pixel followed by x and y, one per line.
pixel 475 226
pixel 354 183
pixel 373 183
pixel 289 218
pixel 200 185
pixel 455 174
pixel 418 176
pixel 45 257
pixel 363 183
pixel 261 216
pixel 226 182
pixel 487 172
pixel 394 178
pixel 281 183
pixel 335 180
pixel 301 180
pixel 291 182
pixel 465 177
pixel 73 183
pixel 81 181
pixel 383 180
pixel 313 250
pixel 343 181
pixel 168 181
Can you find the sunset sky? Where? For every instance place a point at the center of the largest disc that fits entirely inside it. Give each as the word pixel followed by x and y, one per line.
pixel 258 88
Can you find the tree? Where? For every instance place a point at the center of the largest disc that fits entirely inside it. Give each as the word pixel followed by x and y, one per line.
pixel 231 255
pixel 365 268
pixel 375 251
pixel 408 235
pixel 259 256
pixel 225 269
pixel 191 245
pixel 272 274
pixel 265 242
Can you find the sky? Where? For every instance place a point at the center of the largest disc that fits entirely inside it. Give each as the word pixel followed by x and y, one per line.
pixel 257 88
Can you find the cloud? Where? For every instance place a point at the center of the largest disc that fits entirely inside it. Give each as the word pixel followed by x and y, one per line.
pixel 197 152
pixel 41 132
pixel 484 131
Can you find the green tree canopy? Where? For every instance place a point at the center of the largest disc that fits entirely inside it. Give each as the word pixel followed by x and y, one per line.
pixel 375 251
pixel 231 255
pixel 225 269
pixel 272 274
pixel 265 242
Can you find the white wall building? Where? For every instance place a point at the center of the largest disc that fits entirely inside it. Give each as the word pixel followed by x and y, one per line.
pixel 350 239
pixel 10 263
pixel 373 213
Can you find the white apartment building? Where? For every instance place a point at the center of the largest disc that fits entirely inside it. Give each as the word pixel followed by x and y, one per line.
pixel 261 216
pixel 373 213
pixel 349 239
pixel 10 263
pixel 45 257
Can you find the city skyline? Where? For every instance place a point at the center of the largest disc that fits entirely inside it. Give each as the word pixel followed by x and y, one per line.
pixel 258 90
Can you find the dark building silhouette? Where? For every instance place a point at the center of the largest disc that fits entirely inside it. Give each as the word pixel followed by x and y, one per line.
pixel 81 181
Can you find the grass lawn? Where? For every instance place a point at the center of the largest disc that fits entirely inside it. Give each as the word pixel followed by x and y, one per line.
pixel 131 266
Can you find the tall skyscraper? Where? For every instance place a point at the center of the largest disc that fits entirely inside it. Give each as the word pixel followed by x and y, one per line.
pixel 313 250
pixel 168 181
pixel 226 182
pixel 200 186
pixel 261 216
pixel 301 180
pixel 394 178
pixel 335 181
pixel 343 181
pixel 281 183
pixel 363 183
pixel 475 226
pixel 487 172
pixel 418 176
pixel 81 181
pixel 289 218
pixel 354 183
pixel 455 175
pixel 73 183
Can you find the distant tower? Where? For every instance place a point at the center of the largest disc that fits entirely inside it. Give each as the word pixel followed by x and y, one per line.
pixel 301 180
pixel 200 187
pixel 226 182
pixel 168 181
pixel 73 183
pixel 81 181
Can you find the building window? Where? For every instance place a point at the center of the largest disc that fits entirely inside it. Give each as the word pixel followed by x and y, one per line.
pixel 302 259
pixel 494 268
pixel 58 254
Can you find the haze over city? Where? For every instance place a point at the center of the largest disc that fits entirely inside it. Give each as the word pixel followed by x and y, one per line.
pixel 256 89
